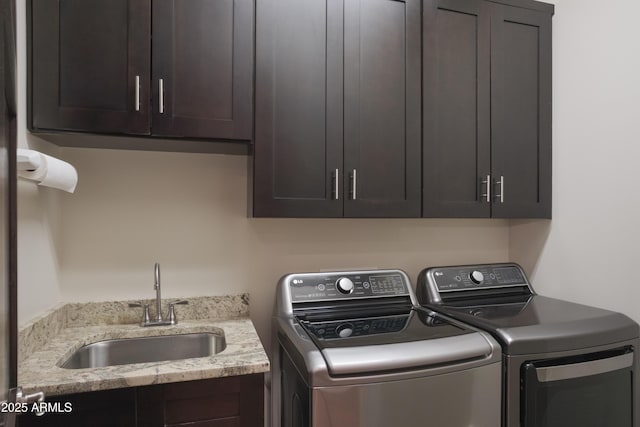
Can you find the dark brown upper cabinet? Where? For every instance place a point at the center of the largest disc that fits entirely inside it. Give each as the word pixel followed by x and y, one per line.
pixel 203 68
pixel 337 109
pixel 487 109
pixel 521 113
pixel 91 67
pixel 86 58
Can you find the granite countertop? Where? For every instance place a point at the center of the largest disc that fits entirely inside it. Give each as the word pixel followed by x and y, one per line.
pixel 50 340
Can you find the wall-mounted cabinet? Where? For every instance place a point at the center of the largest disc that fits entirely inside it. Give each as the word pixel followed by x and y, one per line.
pixel 363 108
pixel 147 67
pixel 487 109
pixel 337 108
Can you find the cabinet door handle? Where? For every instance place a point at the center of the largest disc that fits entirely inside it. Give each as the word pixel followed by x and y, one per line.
pixel 30 398
pixel 354 184
pixel 161 96
pixel 137 104
pixel 487 193
pixel 500 195
pixel 336 185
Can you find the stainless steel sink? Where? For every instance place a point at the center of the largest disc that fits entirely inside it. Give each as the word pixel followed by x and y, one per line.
pixel 147 349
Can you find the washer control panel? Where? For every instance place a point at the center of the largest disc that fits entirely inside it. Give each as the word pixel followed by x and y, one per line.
pixel 448 279
pixel 348 285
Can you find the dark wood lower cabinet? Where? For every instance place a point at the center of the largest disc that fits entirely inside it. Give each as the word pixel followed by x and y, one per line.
pixel 96 409
pixel 220 402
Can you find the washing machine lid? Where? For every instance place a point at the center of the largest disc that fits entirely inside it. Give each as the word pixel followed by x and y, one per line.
pixel 392 341
pixel 538 324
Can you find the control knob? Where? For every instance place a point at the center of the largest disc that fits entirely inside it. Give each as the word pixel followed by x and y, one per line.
pixel 476 277
pixel 344 285
pixel 345 330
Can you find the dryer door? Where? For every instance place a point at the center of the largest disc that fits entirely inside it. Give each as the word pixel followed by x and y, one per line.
pixel 592 390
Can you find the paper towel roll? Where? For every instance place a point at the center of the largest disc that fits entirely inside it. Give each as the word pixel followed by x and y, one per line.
pixel 50 172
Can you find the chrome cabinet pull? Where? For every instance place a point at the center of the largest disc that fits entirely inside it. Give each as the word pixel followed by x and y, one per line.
pixel 354 184
pixel 500 195
pixel 137 104
pixel 487 193
pixel 30 398
pixel 336 185
pixel 161 96
pixel 16 401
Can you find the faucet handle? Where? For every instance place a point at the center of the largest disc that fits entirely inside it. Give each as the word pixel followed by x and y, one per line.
pixel 172 311
pixel 146 318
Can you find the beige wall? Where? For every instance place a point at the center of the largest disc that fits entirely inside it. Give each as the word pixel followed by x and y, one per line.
pixel 38 266
pixel 590 251
pixel 188 212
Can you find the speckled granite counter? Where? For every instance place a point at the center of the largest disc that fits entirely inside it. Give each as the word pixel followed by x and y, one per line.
pixel 52 338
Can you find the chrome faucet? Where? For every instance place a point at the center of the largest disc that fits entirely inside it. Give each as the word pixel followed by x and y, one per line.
pixel 170 318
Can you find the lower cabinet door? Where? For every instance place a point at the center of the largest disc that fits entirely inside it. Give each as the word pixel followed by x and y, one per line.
pixel 107 408
pixel 219 402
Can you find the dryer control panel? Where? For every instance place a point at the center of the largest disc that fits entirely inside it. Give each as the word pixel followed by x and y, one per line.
pixel 449 279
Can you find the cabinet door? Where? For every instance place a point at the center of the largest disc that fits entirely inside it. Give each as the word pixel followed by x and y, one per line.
pixel 89 65
pixel 382 108
pixel 219 402
pixel 521 112
pixel 298 119
pixel 456 114
pixel 107 408
pixel 203 68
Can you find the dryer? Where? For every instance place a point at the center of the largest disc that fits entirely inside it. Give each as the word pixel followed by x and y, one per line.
pixel 566 364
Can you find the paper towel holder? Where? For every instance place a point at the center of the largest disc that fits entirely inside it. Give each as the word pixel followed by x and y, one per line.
pixel 28 160
pixel 46 170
